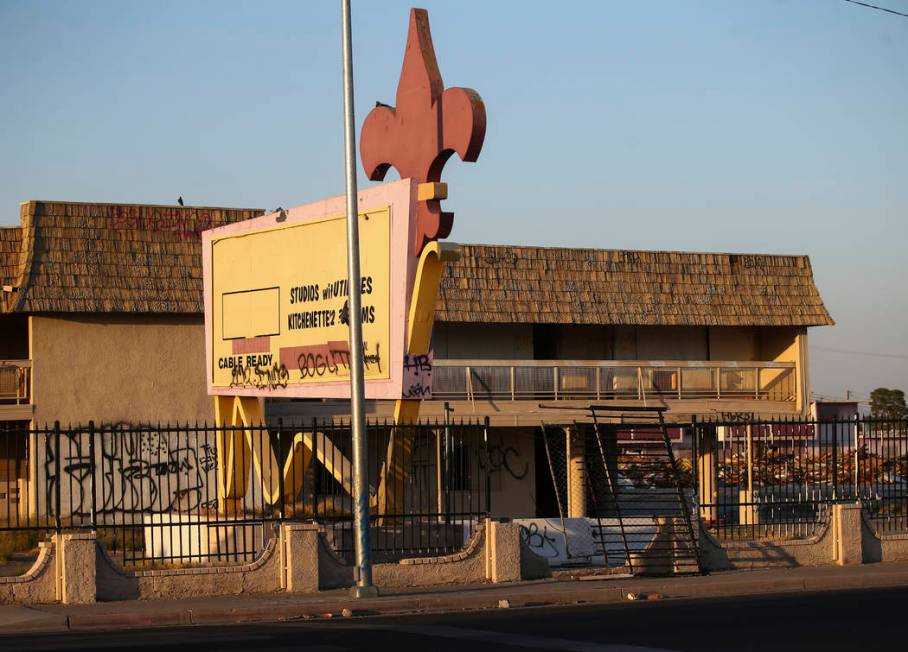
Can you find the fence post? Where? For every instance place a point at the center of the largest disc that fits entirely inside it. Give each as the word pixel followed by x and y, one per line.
pixel 280 470
pixel 57 520
pixel 857 460
pixel 91 469
pixel 835 467
pixel 314 474
pixel 695 464
pixel 485 439
pixel 447 460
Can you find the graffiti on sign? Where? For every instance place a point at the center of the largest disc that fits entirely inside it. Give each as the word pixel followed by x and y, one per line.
pixel 418 376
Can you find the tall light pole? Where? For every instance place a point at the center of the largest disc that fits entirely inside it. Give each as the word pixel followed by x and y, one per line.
pixel 363 571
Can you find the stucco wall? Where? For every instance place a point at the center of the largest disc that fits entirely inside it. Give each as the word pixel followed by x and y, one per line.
pixel 118 369
pixel 787 345
pixel 733 343
pixel 260 576
pixel 753 554
pixel 38 585
pixel 687 343
pixel 672 343
pixel 485 341
pixel 882 546
pixel 465 567
pixel 581 342
pixel 512 478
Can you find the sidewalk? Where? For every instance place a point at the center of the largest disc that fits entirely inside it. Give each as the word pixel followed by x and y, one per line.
pixel 336 604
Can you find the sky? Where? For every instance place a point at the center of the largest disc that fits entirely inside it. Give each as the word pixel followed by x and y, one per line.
pixel 769 126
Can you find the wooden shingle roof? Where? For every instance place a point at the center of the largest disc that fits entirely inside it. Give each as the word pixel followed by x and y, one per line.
pixel 10 245
pixel 506 284
pixel 79 257
pixel 116 258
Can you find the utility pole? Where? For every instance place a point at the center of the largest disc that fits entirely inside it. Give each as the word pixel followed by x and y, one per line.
pixel 363 587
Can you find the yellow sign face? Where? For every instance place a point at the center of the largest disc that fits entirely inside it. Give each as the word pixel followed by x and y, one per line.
pixel 279 303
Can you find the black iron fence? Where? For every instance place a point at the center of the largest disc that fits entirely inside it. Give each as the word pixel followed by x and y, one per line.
pixel 203 494
pixel 779 478
pixel 198 493
pixel 745 478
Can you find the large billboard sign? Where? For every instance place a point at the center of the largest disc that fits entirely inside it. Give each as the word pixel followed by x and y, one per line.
pixel 276 298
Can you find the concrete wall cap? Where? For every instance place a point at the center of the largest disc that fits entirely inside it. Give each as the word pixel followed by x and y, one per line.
pixel 295 527
pixel 79 536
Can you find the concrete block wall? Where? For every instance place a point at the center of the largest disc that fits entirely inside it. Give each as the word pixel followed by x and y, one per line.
pixel 299 558
pixel 75 569
pixel 503 552
pixel 38 585
pixel 839 540
pixel 882 546
pixel 263 575
pixel 469 566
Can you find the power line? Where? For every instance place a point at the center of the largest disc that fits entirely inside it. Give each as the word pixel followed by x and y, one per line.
pixel 888 11
pixel 894 356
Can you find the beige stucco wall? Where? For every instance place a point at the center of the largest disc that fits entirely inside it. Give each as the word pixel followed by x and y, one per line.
pixel 582 342
pixel 733 343
pixel 625 343
pixel 118 369
pixel 686 343
pixel 788 345
pixel 672 343
pixel 512 481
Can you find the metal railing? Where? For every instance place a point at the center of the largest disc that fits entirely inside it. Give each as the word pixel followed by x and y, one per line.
pixel 612 379
pixel 168 494
pixel 15 381
pixel 779 478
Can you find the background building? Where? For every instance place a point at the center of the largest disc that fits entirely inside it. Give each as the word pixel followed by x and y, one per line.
pixel 101 318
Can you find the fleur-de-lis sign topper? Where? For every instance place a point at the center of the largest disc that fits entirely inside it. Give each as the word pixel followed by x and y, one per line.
pixel 429 123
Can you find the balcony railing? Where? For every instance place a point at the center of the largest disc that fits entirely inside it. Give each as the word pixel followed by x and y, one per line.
pixel 15 381
pixel 612 379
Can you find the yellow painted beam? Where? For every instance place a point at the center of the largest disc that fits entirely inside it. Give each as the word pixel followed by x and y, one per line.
pixel 431 191
pixel 419 338
pixel 425 293
pixel 244 443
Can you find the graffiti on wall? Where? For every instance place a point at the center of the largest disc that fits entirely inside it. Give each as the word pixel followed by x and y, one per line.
pixel 558 541
pixel 133 472
pixel 506 459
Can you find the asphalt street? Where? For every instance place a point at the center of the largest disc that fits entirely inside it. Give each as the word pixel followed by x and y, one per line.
pixel 854 620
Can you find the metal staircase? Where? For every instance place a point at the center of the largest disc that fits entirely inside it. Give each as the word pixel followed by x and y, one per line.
pixel 637 492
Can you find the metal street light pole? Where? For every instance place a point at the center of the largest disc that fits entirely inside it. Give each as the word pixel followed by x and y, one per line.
pixel 363 571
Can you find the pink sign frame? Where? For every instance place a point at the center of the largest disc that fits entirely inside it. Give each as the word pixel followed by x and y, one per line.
pixel 400 196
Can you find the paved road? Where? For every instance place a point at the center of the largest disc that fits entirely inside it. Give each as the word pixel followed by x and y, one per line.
pixel 858 621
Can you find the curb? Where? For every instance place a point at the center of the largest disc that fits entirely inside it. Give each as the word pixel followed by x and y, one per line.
pixel 175 618
pixel 515 596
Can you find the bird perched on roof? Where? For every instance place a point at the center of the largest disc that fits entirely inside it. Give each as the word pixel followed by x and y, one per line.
pixel 180 200
pixel 377 103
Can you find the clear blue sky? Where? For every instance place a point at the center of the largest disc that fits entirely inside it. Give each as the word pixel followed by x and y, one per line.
pixel 775 126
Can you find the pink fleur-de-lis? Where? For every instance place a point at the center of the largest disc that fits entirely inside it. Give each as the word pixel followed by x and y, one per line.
pixel 429 123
